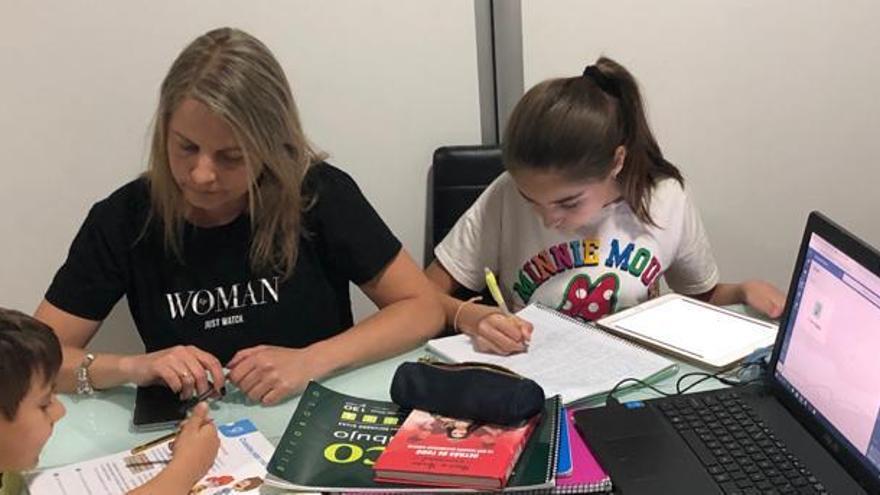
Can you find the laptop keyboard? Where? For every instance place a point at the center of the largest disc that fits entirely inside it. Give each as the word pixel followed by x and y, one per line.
pixel 737 448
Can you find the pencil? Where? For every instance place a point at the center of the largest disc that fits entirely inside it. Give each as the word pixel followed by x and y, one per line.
pixel 154 442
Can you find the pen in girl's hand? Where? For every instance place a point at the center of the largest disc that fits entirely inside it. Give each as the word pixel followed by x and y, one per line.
pixel 492 285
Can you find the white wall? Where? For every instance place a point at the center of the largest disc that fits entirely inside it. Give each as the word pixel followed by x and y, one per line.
pixel 379 84
pixel 769 107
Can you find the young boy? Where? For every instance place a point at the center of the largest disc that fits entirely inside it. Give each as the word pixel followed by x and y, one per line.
pixel 30 356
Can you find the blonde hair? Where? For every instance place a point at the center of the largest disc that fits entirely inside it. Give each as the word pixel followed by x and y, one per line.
pixel 237 77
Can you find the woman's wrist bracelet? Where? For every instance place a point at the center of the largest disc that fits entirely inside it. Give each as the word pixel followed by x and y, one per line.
pixel 83 381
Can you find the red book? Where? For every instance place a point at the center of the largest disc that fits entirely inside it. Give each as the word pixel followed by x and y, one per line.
pixel 435 450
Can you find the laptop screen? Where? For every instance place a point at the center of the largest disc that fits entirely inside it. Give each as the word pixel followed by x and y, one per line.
pixel 829 359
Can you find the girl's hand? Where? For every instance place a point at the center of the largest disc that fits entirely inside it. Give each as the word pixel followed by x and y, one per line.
pixel 497 333
pixel 195 447
pixel 268 373
pixel 183 368
pixel 763 297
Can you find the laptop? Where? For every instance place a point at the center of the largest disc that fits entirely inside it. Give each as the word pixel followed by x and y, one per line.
pixel 811 425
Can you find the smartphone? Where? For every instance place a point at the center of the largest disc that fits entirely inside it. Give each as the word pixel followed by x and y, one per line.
pixel 157 407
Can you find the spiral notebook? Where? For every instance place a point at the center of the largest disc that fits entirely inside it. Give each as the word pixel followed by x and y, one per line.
pixel 587 476
pixel 566 356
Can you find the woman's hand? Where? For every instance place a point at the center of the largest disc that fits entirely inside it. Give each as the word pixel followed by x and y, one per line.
pixel 495 332
pixel 763 297
pixel 183 368
pixel 268 374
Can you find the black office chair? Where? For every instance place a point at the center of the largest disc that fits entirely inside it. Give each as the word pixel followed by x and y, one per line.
pixel 458 175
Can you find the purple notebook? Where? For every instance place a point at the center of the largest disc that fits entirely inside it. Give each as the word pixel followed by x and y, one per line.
pixel 587 475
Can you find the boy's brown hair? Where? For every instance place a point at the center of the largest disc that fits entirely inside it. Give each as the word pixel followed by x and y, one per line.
pixel 28 349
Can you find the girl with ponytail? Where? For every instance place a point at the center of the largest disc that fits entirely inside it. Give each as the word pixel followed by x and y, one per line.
pixel 586 219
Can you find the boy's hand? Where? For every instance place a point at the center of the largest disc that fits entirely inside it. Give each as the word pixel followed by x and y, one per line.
pixel 194 450
pixel 497 333
pixel 195 447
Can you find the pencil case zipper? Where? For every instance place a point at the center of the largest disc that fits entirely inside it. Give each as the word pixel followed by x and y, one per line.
pixel 471 365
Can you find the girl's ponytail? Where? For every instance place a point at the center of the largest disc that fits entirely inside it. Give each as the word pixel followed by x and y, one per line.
pixel 644 164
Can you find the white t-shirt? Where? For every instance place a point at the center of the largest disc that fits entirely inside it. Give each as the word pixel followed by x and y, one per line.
pixel 608 265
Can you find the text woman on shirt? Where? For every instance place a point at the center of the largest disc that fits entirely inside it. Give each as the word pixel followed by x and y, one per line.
pixel 586 219
pixel 236 247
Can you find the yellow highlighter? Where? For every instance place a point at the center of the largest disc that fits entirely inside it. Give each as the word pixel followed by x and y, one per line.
pixel 492 284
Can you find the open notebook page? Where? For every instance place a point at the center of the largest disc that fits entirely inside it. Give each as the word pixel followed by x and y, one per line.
pixel 565 357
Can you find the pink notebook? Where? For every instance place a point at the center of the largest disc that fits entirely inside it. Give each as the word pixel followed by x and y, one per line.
pixel 587 475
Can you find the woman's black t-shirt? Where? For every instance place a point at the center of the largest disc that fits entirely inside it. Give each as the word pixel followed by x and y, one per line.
pixel 212 299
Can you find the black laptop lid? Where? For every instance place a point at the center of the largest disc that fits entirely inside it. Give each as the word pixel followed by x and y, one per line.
pixel 826 361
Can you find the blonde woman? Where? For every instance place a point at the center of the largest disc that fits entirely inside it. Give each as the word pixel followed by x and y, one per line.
pixel 236 247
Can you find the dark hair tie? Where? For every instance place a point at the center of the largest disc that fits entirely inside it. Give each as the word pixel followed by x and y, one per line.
pixel 604 82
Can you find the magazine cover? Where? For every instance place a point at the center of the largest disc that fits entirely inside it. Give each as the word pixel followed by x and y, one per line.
pixel 433 449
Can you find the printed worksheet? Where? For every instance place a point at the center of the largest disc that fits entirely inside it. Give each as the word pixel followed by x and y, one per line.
pixel 240 467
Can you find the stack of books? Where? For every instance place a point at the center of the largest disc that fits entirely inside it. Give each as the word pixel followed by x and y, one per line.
pixel 341 443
